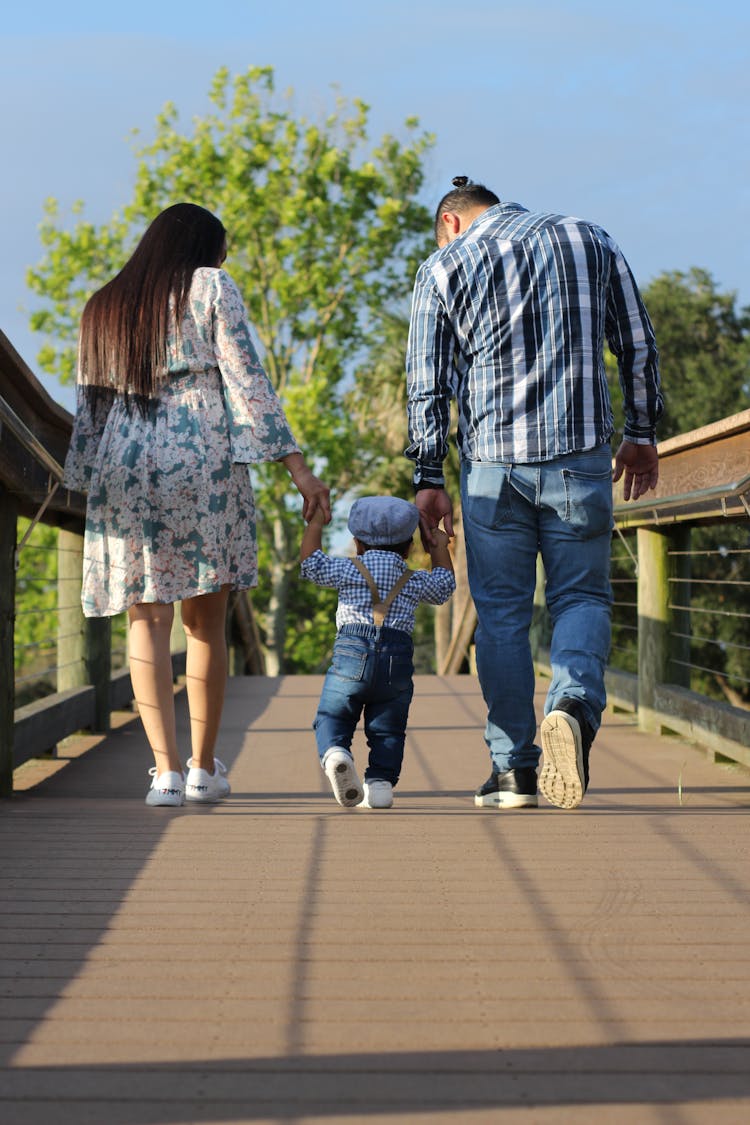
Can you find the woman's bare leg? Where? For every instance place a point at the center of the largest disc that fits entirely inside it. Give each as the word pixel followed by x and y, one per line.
pixel 204 621
pixel 151 676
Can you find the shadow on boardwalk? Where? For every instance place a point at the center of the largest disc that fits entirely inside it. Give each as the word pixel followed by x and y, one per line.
pixel 277 958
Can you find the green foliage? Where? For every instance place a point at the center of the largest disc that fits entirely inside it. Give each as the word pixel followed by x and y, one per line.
pixel 377 403
pixel 324 233
pixel 720 574
pixel 704 351
pixel 309 641
pixel 35 633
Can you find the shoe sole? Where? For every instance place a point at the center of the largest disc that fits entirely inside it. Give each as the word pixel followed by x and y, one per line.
pixel 202 799
pixel 165 802
pixel 345 784
pixel 507 801
pixel 561 777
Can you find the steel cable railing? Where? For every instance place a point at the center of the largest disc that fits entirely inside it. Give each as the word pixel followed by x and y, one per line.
pixel 709 611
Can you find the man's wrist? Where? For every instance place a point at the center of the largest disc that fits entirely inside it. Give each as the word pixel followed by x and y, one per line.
pixel 639 438
pixel 422 485
pixel 428 477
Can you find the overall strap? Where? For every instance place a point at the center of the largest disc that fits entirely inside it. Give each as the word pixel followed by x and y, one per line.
pixel 380 608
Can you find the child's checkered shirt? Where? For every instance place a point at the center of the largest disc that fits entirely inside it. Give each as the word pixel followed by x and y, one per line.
pixel 386 567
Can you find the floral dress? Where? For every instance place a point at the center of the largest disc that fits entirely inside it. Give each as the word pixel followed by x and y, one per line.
pixel 170 510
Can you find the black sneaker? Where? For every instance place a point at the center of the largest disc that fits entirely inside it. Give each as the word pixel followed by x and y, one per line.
pixel 566 742
pixel 515 789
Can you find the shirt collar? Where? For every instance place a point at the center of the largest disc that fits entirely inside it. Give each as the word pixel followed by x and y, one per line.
pixel 480 224
pixel 497 211
pixel 390 554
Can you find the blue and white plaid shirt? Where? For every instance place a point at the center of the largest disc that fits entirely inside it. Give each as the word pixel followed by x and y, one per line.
pixel 511 319
pixel 386 567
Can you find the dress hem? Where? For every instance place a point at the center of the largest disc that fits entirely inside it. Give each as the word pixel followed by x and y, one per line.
pixel 95 612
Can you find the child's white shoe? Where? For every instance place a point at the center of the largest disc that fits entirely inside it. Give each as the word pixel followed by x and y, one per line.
pixel 378 794
pixel 340 770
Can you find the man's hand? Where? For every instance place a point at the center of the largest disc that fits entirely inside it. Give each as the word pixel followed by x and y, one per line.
pixel 434 505
pixel 640 464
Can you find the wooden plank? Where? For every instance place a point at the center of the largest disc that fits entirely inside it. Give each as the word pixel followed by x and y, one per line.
pixel 719 727
pixel 628 916
pixel 39 726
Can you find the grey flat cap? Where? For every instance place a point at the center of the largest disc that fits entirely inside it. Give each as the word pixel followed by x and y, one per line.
pixel 383 521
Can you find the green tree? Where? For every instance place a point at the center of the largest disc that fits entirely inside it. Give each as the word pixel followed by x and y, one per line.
pixel 704 351
pixel 325 232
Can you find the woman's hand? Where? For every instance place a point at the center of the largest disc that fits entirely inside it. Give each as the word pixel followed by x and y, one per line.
pixel 315 494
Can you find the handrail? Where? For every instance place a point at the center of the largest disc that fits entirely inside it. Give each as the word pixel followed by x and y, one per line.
pixel 703 475
pixel 29 440
pixel 35 437
pixel 686 505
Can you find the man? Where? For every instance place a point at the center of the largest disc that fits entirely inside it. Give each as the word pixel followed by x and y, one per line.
pixel 510 316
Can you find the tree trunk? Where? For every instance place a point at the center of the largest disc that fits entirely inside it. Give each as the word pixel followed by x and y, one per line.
pixel 463 613
pixel 277 605
pixel 443 631
pixel 248 657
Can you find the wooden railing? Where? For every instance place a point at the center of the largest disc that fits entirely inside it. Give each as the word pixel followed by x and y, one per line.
pixel 704 481
pixel 34 436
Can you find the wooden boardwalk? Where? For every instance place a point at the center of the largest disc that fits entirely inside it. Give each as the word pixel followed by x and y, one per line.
pixel 277 958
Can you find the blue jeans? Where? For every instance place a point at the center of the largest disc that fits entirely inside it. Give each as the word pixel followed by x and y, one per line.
pixel 563 509
pixel 372 670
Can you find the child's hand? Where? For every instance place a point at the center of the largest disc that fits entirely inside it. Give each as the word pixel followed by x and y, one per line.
pixel 318 518
pixel 441 538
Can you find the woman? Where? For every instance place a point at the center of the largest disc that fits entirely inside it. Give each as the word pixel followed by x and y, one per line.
pixel 172 406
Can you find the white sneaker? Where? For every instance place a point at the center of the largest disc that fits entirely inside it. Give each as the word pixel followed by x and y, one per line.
pixel 340 770
pixel 378 794
pixel 204 786
pixel 167 788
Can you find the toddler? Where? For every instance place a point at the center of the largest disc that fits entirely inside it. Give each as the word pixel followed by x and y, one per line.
pixel 372 667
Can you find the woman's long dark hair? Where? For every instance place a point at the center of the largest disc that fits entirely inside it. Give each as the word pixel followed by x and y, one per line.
pixel 123 344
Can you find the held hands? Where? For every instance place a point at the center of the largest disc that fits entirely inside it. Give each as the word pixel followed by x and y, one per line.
pixel 315 494
pixel 312 537
pixel 434 505
pixel 640 464
pixel 439 549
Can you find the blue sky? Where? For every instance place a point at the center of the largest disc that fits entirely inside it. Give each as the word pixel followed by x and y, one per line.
pixel 636 116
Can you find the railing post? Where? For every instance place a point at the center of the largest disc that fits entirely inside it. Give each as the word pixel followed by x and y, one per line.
pixel 8 532
pixel 177 640
pixel 71 624
pixel 653 629
pixel 540 632
pixel 680 623
pixel 84 645
pixel 99 668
